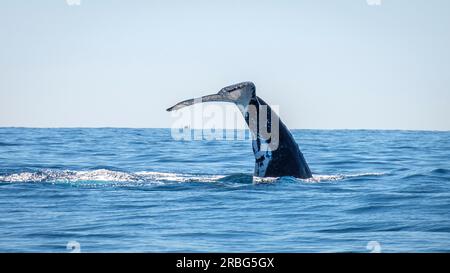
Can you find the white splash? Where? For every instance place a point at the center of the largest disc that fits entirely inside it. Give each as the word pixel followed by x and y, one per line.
pixel 52 176
pixel 257 180
pixel 103 175
pixel 106 176
pixel 337 177
pixel 177 177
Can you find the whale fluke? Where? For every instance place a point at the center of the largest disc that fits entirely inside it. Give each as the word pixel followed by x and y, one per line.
pixel 276 152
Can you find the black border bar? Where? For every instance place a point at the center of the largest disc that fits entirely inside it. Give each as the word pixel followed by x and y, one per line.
pixel 222 262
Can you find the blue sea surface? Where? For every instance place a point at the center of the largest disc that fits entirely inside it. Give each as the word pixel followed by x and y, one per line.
pixel 139 190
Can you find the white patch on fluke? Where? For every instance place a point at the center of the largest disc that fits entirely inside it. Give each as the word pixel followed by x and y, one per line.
pixel 261 166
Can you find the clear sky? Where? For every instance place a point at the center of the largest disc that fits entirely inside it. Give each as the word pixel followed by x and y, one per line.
pixel 327 64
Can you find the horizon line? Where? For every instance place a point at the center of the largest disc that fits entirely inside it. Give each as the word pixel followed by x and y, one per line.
pixel 169 128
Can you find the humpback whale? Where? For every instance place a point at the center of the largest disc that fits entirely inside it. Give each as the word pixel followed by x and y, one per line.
pixel 276 152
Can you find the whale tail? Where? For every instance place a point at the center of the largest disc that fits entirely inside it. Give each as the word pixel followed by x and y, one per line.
pixel 240 93
pixel 276 153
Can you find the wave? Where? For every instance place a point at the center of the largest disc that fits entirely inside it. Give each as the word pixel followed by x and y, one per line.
pixel 104 175
pixel 337 177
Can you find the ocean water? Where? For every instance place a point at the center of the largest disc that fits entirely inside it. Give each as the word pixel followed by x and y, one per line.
pixel 138 190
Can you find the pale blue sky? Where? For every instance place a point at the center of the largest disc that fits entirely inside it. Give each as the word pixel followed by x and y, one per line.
pixel 327 64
